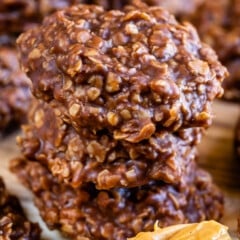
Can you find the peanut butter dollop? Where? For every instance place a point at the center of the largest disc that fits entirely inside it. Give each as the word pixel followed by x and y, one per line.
pixel 207 230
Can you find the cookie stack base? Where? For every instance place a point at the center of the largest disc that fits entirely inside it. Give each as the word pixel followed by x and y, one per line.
pixel 119 213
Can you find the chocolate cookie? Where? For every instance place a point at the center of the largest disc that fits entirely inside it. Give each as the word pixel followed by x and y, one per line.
pixel 121 212
pixel 131 72
pixel 13 223
pixel 77 157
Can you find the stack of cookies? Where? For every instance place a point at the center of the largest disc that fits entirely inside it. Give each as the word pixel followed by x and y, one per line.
pixel 121 101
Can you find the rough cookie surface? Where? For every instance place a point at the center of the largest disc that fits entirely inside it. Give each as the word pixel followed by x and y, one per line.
pixel 78 157
pixel 14 88
pixel 119 213
pixel 13 223
pixel 131 72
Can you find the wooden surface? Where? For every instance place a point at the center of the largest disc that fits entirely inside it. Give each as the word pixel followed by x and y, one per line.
pixel 216 155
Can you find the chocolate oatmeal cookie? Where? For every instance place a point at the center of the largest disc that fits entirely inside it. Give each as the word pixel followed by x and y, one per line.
pixel 15 94
pixel 13 223
pixel 78 157
pixel 131 72
pixel 121 212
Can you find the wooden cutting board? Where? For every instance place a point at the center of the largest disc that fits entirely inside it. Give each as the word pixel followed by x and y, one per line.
pixel 216 155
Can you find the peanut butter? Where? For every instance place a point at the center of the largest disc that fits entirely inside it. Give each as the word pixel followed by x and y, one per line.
pixel 207 230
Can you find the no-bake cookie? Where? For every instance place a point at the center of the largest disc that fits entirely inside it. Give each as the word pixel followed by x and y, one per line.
pixel 78 157
pixel 94 66
pixel 122 100
pixel 121 212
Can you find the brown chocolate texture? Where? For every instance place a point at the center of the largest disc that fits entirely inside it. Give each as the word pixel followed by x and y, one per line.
pixel 78 157
pixel 13 223
pixel 131 72
pixel 121 212
pixel 122 99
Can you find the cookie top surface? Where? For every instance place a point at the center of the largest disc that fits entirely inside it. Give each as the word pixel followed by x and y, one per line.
pixel 131 71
